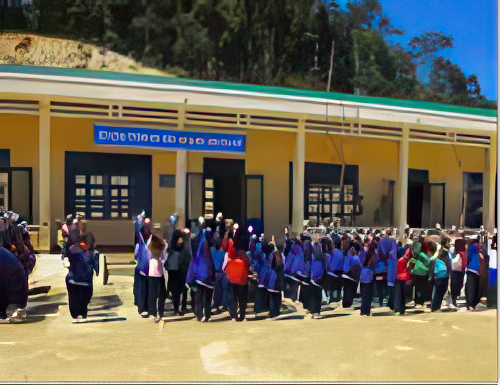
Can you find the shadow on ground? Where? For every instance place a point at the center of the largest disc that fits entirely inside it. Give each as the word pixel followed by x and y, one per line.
pixel 49 298
pixel 90 320
pixel 105 302
pixel 325 316
pixel 39 290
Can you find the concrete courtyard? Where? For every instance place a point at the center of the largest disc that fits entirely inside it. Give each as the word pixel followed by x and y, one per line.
pixel 118 345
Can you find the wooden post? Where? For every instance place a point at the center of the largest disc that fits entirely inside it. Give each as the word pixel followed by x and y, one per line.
pixel 402 197
pixel 331 68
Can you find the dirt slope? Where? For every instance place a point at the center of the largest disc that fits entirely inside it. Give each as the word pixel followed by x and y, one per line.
pixel 30 49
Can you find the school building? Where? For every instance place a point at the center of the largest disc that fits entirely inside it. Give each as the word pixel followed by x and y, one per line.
pixel 109 145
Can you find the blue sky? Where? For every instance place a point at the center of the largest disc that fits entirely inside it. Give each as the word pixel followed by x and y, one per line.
pixel 472 24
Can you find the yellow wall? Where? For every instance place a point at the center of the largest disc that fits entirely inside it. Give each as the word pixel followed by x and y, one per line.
pixel 269 153
pixel 377 162
pixel 443 167
pixel 19 133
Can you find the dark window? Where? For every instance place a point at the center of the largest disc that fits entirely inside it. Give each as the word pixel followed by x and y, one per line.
pixel 107 186
pixel 472 206
pixel 167 181
pixel 4 158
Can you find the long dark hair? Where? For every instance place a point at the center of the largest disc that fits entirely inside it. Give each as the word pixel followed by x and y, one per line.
pixel 277 259
pixel 242 239
pixel 319 255
pixel 267 249
pixel 146 231
pixel 174 245
pixel 345 246
pixel 308 251
pixel 369 255
pixel 327 245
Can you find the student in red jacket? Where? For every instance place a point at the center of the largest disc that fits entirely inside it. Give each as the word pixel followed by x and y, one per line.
pixel 402 278
pixel 237 267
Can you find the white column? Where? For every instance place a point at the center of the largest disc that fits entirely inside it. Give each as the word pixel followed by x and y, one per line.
pixel 180 187
pixel 180 178
pixel 489 185
pixel 298 179
pixel 402 197
pixel 44 162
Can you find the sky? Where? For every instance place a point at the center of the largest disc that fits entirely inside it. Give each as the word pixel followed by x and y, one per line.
pixel 472 24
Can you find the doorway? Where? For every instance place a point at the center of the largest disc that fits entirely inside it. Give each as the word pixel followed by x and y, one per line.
pixel 472 201
pixel 16 191
pixel 224 182
pixel 417 179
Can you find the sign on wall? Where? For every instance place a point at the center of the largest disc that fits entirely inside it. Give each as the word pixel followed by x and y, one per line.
pixel 168 139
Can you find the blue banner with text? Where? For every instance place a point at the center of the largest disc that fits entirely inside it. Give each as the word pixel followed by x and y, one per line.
pixel 168 139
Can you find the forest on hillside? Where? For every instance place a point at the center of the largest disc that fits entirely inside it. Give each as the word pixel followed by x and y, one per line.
pixel 309 44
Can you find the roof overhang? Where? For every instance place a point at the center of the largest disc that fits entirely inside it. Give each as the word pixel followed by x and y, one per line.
pixel 26 86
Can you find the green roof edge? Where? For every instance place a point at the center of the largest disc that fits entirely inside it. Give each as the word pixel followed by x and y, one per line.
pixel 154 79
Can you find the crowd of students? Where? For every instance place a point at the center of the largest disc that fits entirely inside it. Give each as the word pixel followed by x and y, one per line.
pixel 220 267
pixel 17 261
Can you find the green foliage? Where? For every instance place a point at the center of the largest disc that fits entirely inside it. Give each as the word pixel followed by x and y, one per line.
pixel 428 44
pixel 278 42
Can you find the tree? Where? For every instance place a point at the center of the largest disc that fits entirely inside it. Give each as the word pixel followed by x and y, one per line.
pixel 428 44
pixel 268 42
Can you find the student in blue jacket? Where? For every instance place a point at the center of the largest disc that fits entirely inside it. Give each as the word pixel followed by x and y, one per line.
pixel 13 285
pixel 389 248
pixel 220 288
pixel 263 257
pixel 472 284
pixel 201 276
pixel 381 276
pixel 79 280
pixel 275 283
pixel 318 267
pixel 303 271
pixel 327 247
pixel 290 270
pixel 350 275
pixel 334 273
pixel 366 279
pixel 142 255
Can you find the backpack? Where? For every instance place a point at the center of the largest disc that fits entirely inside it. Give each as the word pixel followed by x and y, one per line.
pixel 456 262
pixel 440 270
pixel 421 265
